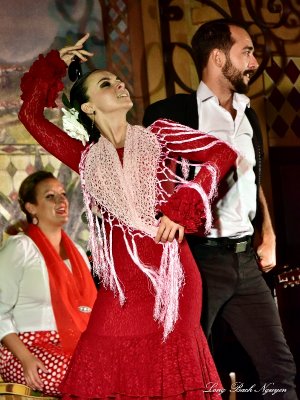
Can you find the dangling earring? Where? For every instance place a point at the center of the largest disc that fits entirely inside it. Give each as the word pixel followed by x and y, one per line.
pixel 93 120
pixel 35 219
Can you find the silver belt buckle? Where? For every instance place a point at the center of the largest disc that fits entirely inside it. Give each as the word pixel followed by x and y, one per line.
pixel 240 247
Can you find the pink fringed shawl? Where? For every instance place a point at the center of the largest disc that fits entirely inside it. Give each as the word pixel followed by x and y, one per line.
pixel 128 196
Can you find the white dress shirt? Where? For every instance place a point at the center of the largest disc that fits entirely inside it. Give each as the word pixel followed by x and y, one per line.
pixel 235 211
pixel 25 300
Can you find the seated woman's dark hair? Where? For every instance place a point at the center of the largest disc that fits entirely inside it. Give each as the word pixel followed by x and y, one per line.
pixel 78 96
pixel 27 191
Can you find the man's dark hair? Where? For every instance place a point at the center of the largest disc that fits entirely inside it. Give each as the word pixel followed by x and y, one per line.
pixel 212 35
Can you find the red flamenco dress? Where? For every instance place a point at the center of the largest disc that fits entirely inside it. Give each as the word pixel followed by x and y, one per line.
pixel 125 353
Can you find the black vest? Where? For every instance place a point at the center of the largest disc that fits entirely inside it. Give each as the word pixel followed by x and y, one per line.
pixel 182 108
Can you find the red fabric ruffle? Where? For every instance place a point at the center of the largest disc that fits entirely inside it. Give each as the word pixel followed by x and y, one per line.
pixel 50 68
pixel 185 207
pixel 190 395
pixel 180 368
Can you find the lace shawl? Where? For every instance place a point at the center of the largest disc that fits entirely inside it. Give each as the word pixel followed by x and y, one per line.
pixel 129 196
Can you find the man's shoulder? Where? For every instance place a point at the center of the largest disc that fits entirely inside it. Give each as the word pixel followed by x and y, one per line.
pixel 171 108
pixel 253 119
pixel 250 112
pixel 179 98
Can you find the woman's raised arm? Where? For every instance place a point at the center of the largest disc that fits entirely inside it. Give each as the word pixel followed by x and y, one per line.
pixel 40 87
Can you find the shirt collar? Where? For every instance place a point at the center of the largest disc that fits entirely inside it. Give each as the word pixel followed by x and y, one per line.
pixel 204 94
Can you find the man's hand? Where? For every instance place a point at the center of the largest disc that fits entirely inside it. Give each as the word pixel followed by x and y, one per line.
pixel 266 254
pixel 266 248
pixel 167 231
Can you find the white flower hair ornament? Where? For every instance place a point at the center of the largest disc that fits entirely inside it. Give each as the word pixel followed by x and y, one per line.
pixel 73 127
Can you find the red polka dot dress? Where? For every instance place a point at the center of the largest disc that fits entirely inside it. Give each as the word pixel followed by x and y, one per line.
pixel 47 348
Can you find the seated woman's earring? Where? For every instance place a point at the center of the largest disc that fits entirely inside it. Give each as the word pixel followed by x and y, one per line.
pixel 34 219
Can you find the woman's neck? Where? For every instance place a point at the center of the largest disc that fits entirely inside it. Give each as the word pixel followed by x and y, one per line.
pixel 115 132
pixel 53 234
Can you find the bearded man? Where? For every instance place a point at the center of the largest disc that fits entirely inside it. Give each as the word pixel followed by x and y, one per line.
pixel 231 266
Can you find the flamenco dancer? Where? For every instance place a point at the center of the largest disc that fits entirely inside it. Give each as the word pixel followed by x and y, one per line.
pixel 143 340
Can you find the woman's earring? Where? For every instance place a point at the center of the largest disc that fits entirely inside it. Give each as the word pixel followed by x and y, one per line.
pixel 35 219
pixel 93 120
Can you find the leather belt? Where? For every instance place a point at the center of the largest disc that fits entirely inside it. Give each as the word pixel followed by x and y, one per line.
pixel 239 245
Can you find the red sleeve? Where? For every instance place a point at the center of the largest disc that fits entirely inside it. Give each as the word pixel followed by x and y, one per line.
pixel 40 87
pixel 189 205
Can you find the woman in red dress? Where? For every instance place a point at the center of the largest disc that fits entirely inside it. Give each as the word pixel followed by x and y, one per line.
pixel 143 340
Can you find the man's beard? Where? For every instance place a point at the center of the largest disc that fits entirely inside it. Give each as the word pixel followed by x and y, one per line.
pixel 236 77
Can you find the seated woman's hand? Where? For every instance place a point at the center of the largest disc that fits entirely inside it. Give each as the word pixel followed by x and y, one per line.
pixel 167 231
pixel 68 53
pixel 31 365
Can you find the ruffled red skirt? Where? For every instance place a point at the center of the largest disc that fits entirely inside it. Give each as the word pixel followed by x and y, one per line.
pixel 122 354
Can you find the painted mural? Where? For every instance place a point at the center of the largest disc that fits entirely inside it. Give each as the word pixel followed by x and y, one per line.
pixel 28 29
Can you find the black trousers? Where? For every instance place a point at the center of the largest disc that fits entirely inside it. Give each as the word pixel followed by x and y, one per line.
pixel 233 287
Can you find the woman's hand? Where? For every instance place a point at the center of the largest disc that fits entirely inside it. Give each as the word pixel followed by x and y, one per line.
pixel 167 231
pixel 29 362
pixel 31 365
pixel 68 53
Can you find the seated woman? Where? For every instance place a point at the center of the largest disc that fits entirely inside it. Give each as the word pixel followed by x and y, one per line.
pixel 46 290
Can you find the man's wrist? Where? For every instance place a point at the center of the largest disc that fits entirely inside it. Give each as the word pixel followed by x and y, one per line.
pixel 268 236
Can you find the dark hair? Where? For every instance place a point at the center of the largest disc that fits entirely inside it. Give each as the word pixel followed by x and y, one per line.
pixel 212 35
pixel 78 96
pixel 27 191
